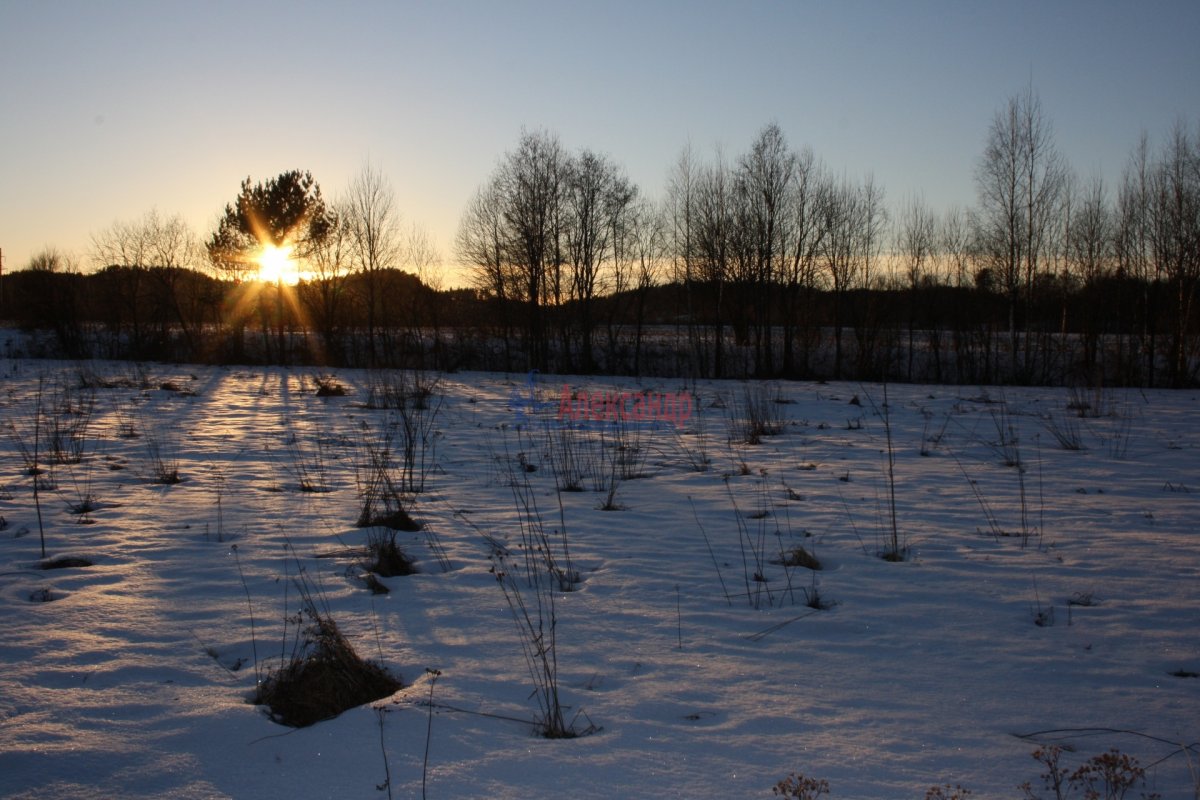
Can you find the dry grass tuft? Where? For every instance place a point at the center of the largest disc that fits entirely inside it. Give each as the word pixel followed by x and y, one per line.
pixel 64 562
pixel 323 679
pixel 799 557
pixel 384 556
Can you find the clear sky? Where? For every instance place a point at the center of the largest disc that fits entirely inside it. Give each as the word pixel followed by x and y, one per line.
pixel 110 109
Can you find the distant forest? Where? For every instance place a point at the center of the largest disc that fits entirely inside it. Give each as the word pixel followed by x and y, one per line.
pixel 766 265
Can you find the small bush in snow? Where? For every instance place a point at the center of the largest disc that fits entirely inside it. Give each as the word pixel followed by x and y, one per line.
pixel 799 787
pixel 323 677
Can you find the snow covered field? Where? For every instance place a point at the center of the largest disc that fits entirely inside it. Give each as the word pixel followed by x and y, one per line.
pixel 1061 594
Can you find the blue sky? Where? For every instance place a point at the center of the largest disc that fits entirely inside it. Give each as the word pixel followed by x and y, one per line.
pixel 108 110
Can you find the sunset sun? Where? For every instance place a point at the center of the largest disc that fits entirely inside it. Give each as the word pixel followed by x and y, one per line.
pixel 275 264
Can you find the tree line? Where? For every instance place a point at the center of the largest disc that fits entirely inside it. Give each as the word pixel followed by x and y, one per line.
pixel 767 264
pixel 784 267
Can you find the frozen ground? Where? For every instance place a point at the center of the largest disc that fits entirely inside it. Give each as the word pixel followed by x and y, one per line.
pixel 129 678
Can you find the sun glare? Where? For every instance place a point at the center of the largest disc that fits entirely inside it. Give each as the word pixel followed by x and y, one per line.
pixel 275 264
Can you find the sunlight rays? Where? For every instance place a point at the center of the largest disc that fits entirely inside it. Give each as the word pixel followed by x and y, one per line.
pixel 276 265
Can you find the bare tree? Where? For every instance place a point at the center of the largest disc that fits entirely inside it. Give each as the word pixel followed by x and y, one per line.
pixel 765 181
pixel 149 260
pixel 840 255
pixel 1090 259
pixel 512 236
pixel 869 226
pixel 712 230
pixel 917 239
pixel 532 180
pixel 955 247
pixel 421 256
pixel 52 298
pixel 122 253
pixel 1020 181
pixel 369 211
pixel 482 247
pixel 1133 243
pixel 804 239
pixel 648 243
pixel 623 283
pixel 121 244
pixel 597 199
pixel 872 222
pixel 1001 220
pixel 1090 235
pixel 1175 235
pixel 681 202
pixel 323 293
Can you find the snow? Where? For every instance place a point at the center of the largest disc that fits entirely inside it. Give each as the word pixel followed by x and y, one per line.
pixel 133 681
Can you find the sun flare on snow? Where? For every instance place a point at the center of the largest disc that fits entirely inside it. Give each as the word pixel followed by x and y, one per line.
pixel 276 264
